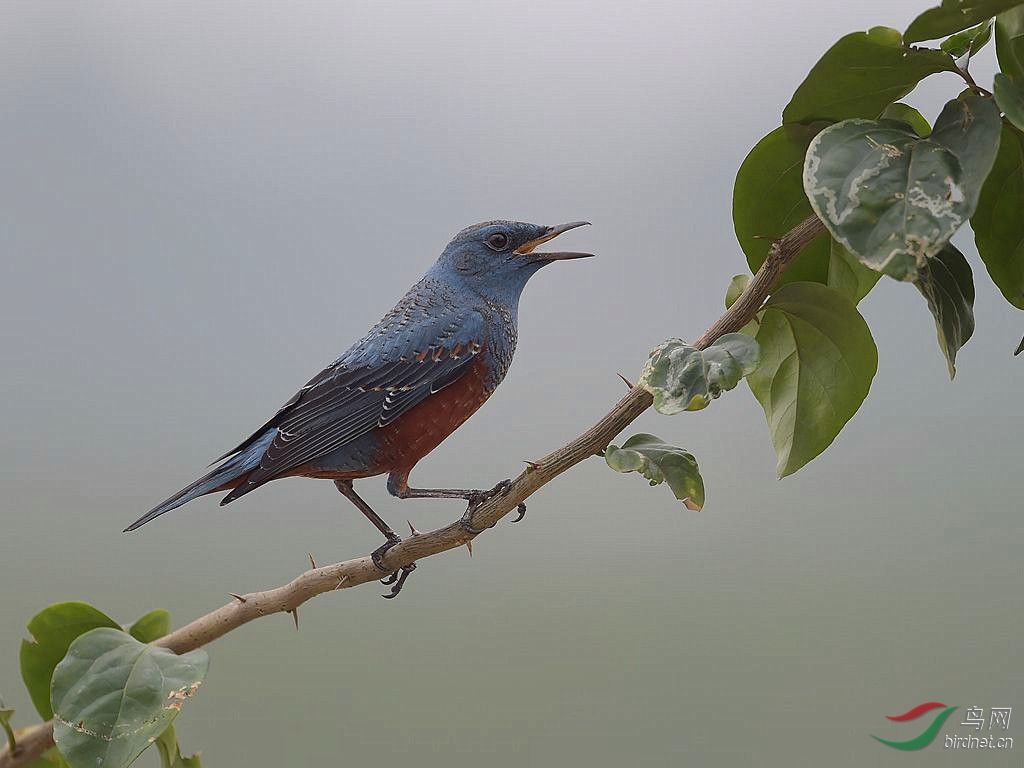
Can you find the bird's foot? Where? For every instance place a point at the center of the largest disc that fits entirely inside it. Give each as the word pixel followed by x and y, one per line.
pixel 379 552
pixel 394 579
pixel 478 498
pixel 397 579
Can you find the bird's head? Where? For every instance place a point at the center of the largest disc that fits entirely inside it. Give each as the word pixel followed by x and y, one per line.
pixel 498 257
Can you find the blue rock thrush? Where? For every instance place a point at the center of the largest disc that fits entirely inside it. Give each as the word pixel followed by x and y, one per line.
pixel 398 392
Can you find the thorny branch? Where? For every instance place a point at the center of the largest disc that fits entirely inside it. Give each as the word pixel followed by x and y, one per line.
pixel 286 599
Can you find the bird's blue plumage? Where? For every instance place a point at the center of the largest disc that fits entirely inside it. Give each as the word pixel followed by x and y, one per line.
pixel 404 359
pixel 460 317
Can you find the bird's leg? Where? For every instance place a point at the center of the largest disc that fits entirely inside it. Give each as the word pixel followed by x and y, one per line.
pixel 398 485
pixel 345 486
pixel 397 578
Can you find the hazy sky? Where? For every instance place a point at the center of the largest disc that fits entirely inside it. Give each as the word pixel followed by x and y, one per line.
pixel 202 204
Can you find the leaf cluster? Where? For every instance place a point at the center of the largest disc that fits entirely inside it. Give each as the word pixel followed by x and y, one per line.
pixel 892 190
pixel 110 693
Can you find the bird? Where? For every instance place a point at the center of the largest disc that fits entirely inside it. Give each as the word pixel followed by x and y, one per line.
pixel 403 388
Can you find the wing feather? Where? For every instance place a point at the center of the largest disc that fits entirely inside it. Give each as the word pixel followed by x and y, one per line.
pixel 361 392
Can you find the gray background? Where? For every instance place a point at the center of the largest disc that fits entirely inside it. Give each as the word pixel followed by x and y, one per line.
pixel 202 205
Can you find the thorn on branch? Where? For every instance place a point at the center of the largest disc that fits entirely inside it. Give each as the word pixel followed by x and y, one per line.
pixel 239 598
pixel 629 384
pixel 312 562
pixel 531 466
pixel 469 546
pixel 412 529
pixel 295 615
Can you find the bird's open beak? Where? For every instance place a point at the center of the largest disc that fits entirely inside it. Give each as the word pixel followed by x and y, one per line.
pixel 550 233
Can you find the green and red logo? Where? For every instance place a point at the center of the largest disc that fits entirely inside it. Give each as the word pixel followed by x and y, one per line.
pixel 927 736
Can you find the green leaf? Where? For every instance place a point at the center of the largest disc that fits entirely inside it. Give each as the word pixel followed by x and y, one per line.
pixel 952 16
pixel 848 275
pixel 152 626
pixel 998 224
pixel 1010 42
pixel 51 758
pixel 53 629
pixel 737 285
pixel 968 41
pixel 908 115
pixel 769 200
pixel 684 378
pixel 981 40
pixel 113 696
pixel 862 74
pixel 947 285
pixel 1010 98
pixel 892 198
pixel 170 752
pixel 969 127
pixel 817 363
pixel 660 462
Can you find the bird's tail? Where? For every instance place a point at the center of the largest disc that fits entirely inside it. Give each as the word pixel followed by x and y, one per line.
pixel 217 479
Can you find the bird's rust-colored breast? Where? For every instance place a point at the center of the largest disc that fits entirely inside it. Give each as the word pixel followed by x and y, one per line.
pixel 415 434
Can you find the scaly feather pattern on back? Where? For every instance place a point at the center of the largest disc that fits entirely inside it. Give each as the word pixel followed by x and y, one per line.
pixel 421 346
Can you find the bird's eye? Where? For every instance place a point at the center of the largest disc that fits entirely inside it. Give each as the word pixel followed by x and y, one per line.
pixel 497 241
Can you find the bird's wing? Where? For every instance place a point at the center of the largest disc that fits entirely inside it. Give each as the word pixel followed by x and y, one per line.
pixel 396 367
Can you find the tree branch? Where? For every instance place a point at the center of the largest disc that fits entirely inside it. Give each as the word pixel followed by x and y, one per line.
pixel 244 608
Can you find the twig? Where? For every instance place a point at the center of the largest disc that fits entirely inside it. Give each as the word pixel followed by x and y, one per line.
pixel 12 743
pixel 244 608
pixel 971 83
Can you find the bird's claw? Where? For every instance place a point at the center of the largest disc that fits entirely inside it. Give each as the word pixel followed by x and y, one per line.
pixel 479 498
pixel 521 509
pixel 395 579
pixel 380 551
pixel 467 522
pixel 398 580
